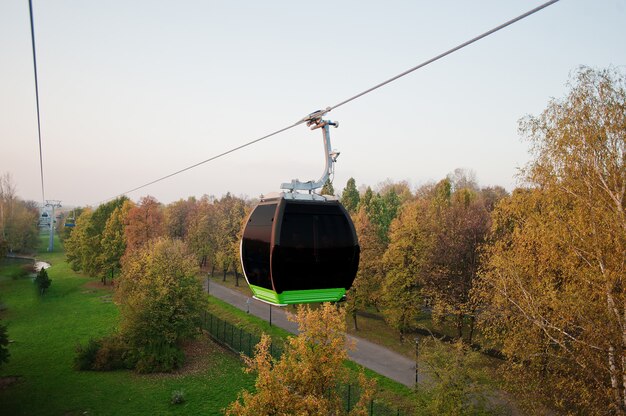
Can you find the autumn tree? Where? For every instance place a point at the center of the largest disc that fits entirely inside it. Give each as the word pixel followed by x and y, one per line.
pixel 231 212
pixel 113 241
pixel 160 302
pixel 460 383
pixel 18 219
pixel 458 223
pixel 144 222
pixel 553 283
pixel 350 196
pixel 177 218
pixel 303 380
pixel 367 287
pixel 405 261
pixel 202 230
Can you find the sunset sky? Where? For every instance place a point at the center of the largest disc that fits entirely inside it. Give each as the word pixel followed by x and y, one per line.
pixel 133 90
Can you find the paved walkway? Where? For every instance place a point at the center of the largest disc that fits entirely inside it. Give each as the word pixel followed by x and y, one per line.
pixel 380 359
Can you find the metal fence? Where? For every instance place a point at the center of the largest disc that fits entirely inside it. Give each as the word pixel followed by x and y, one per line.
pixel 241 341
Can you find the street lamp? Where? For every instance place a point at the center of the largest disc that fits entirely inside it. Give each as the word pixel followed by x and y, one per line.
pixel 417 351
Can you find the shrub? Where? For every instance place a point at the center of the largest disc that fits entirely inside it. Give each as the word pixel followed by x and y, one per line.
pixel 106 354
pixel 158 358
pixel 86 356
pixel 112 355
pixel 178 397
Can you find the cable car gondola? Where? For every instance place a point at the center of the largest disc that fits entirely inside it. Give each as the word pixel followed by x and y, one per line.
pixel 301 247
pixel 70 221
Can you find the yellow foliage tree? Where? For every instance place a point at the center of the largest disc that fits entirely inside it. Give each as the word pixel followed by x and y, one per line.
pixel 366 289
pixel 304 380
pixel 553 281
pixel 160 302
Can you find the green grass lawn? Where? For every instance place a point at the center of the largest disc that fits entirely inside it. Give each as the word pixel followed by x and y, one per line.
pixel 45 331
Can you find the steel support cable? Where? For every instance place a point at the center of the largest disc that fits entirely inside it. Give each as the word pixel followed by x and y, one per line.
pixel 328 109
pixel 267 136
pixel 448 52
pixel 32 35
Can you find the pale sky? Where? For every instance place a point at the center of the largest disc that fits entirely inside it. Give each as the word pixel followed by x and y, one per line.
pixel 133 90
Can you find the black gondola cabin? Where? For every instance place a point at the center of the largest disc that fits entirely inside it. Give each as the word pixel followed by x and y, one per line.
pixel 299 251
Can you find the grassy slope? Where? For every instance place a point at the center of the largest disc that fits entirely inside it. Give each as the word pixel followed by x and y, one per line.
pixel 45 332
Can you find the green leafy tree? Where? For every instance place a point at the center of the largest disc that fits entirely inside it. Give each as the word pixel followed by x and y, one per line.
pixel 365 201
pixel 553 281
pixel 84 246
pixel 160 302
pixel 350 196
pixel 79 248
pixel 303 380
pixel 382 209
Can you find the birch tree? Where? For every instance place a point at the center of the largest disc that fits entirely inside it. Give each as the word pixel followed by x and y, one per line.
pixel 553 284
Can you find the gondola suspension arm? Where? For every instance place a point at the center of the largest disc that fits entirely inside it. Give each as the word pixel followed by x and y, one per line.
pixel 314 121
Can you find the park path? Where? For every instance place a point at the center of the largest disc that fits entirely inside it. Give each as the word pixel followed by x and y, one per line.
pixel 373 356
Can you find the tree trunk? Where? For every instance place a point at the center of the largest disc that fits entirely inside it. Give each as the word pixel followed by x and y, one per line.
pixel 614 383
pixel 212 270
pixel 224 278
pixel 459 326
pixel 356 327
pixel 471 329
pixel 236 278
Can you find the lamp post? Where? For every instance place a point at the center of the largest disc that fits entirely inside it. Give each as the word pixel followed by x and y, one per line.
pixel 417 351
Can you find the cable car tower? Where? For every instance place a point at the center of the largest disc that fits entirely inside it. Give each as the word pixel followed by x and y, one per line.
pixel 299 246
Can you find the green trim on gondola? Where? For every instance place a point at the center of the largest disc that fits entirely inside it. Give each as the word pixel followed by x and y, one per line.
pixel 289 297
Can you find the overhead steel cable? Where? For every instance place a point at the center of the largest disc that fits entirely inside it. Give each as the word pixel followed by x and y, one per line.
pixel 32 35
pixel 267 136
pixel 446 53
pixel 328 109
